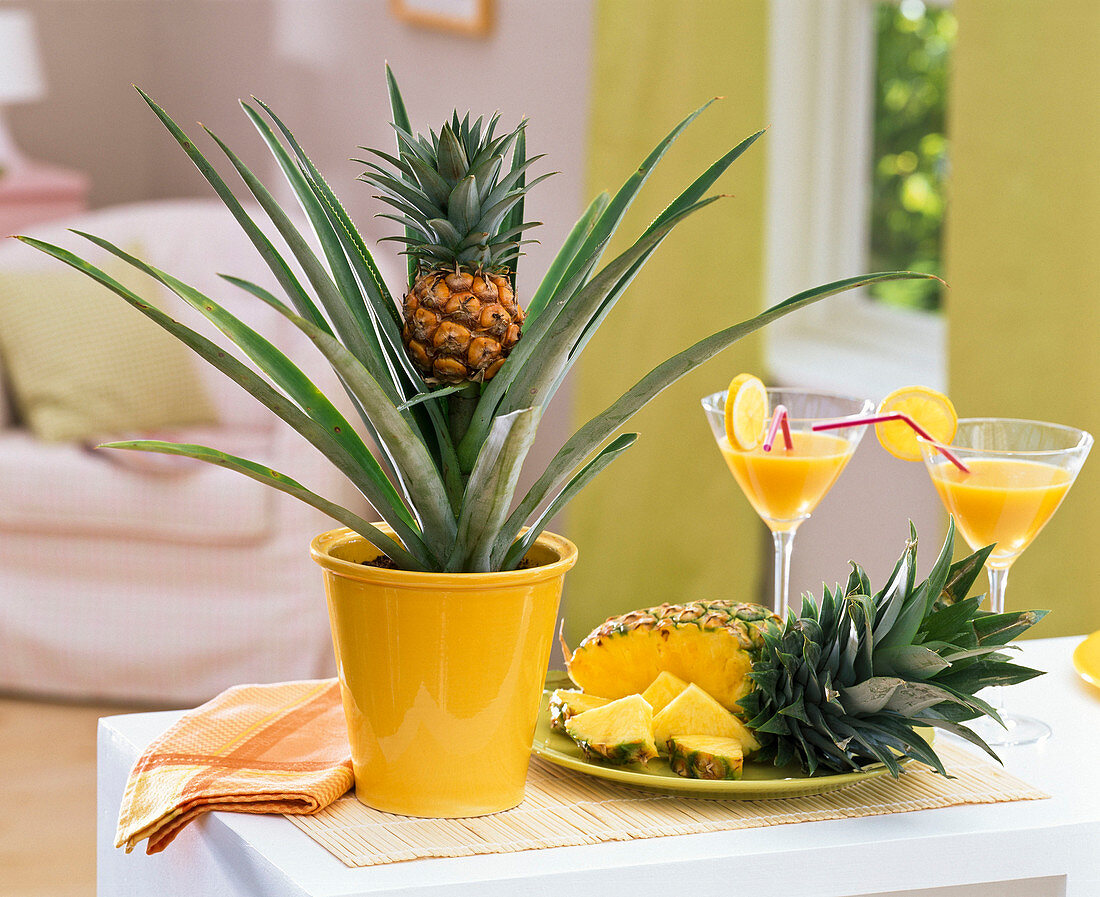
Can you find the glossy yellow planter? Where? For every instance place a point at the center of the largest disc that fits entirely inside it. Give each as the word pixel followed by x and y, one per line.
pixel 441 674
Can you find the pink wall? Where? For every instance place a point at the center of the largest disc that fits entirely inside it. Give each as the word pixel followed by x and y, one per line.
pixel 320 65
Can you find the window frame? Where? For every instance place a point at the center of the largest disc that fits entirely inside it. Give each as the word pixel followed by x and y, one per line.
pixel 821 103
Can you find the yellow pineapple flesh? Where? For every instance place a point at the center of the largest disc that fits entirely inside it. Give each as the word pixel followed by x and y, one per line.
pixel 663 689
pixel 694 712
pixel 567 703
pixel 619 732
pixel 710 643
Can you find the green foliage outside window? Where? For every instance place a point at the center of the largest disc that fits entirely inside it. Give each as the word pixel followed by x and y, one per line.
pixel 910 148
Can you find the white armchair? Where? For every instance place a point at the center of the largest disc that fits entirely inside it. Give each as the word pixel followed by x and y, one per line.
pixel 165 586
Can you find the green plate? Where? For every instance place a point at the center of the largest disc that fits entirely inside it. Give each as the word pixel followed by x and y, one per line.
pixel 759 782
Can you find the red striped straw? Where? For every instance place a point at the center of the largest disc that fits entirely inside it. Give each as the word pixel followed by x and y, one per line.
pixel 885 418
pixel 779 420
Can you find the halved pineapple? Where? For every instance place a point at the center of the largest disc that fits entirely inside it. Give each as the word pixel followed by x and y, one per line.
pixel 705 757
pixel 566 703
pixel 711 643
pixel 663 689
pixel 694 712
pixel 619 732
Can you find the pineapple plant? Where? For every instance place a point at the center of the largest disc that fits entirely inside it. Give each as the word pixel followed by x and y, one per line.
pixel 705 757
pixel 565 703
pixel 447 375
pixel 619 732
pixel 846 682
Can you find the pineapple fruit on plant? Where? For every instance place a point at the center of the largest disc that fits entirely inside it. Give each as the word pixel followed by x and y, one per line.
pixel 845 683
pixel 449 373
pixel 455 198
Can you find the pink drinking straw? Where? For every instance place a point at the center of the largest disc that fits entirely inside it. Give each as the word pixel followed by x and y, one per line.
pixel 884 418
pixel 779 419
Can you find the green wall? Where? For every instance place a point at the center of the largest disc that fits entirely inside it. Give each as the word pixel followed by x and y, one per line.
pixel 1022 247
pixel 665 522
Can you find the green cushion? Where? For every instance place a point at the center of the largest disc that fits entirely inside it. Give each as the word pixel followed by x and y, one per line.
pixel 83 364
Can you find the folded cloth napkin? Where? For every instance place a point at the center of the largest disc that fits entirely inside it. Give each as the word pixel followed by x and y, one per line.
pixel 279 748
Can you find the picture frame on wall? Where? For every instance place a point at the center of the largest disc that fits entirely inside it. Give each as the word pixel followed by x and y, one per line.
pixel 469 17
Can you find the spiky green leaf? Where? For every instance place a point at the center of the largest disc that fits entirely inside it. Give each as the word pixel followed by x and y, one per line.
pixel 280 481
pixel 592 434
pixel 490 488
pixel 514 551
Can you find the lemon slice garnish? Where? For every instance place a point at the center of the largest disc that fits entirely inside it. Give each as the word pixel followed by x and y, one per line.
pixel 746 412
pixel 930 409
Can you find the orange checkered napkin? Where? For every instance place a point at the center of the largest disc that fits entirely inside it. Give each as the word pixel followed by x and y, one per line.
pixel 253 749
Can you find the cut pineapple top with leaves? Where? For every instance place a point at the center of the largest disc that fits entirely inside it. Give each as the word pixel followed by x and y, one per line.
pixel 846 683
pixel 851 679
pixel 450 378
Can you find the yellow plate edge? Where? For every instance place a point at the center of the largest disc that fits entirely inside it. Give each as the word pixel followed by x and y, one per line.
pixel 1086 659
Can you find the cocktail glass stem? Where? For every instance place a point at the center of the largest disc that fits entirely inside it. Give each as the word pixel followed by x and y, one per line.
pixel 1019 729
pixel 784 541
pixel 998 582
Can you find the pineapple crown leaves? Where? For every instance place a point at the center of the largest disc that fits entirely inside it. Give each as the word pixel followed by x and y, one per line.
pixel 445 474
pixel 454 195
pixel 850 679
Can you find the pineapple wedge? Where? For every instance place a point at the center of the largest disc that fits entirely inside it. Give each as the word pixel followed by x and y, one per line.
pixel 663 689
pixel 619 732
pixel 694 712
pixel 705 756
pixel 566 703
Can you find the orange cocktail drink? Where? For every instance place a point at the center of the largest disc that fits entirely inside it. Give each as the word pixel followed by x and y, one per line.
pixel 1001 500
pixel 784 486
pixel 783 481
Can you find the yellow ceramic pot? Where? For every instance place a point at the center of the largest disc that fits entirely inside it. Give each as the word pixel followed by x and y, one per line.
pixel 441 674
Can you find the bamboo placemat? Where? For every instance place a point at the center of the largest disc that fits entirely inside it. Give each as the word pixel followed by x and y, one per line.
pixel 566 809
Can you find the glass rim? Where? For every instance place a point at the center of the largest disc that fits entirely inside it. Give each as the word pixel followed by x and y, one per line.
pixel 1084 438
pixel 715 402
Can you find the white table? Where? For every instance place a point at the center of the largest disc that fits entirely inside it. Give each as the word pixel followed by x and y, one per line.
pixel 1024 849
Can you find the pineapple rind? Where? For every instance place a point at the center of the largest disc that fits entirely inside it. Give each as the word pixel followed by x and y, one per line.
pixel 618 732
pixel 705 757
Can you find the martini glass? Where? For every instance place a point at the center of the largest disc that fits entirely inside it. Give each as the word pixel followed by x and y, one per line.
pixel 1019 472
pixel 783 485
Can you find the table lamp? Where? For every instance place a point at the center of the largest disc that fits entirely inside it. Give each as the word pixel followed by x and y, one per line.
pixel 21 79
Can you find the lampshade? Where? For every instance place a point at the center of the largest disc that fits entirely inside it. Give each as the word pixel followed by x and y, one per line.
pixel 21 77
